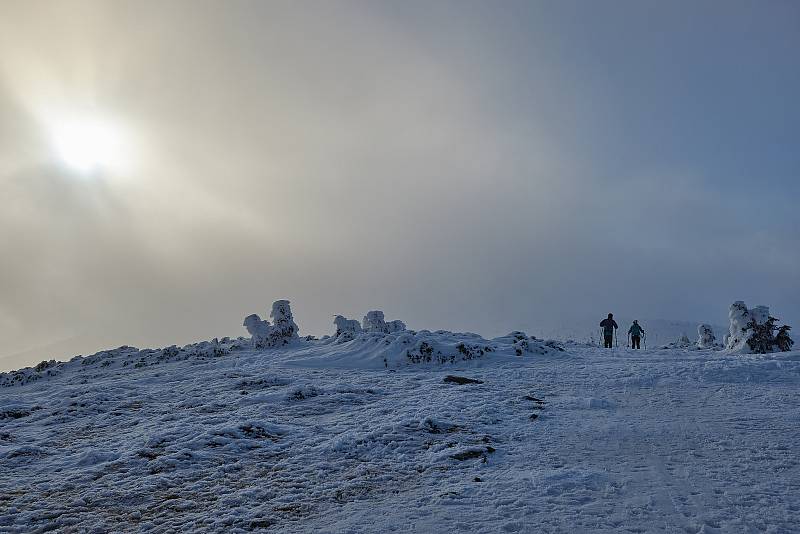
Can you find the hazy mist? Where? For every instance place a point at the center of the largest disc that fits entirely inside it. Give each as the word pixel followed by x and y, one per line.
pixel 472 166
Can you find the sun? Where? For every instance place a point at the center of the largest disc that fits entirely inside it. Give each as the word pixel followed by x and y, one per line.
pixel 88 145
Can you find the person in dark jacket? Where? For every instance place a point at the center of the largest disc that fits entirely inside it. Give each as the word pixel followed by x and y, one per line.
pixel 635 331
pixel 609 325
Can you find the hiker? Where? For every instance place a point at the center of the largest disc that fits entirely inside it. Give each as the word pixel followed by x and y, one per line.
pixel 635 331
pixel 609 325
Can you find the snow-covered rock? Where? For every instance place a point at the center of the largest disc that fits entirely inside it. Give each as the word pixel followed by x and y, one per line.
pixel 346 326
pixel 395 326
pixel 346 329
pixel 374 322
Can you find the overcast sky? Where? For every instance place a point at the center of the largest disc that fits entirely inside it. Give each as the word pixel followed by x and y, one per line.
pixel 472 166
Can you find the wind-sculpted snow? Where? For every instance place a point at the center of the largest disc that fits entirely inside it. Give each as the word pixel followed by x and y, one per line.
pixel 371 350
pixel 319 436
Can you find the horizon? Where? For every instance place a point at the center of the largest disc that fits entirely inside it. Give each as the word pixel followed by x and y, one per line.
pixel 580 331
pixel 168 169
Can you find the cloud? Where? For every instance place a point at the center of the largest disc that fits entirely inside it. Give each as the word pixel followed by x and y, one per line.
pixel 452 164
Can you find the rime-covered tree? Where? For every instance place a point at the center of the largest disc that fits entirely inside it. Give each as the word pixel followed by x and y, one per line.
pixel 783 340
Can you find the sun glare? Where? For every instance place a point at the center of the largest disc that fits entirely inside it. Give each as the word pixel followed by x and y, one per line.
pixel 88 145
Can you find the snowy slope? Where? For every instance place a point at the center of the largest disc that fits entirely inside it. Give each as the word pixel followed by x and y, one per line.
pixel 326 436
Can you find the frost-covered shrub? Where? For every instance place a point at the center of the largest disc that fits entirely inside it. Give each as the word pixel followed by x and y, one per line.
pixel 471 352
pixel 783 340
pixel 705 337
pixel 532 345
pixel 44 365
pixel 305 391
pixel 170 352
pixel 522 344
pixel 280 333
pixel 755 331
pixel 282 319
pixel 421 353
pixel 204 349
pixel 761 336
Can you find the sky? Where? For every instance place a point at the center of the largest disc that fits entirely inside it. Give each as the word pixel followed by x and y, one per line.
pixel 167 168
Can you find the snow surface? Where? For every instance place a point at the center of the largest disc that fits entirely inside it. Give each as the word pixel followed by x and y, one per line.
pixel 351 435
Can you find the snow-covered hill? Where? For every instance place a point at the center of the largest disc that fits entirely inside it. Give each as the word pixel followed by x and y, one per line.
pixel 368 435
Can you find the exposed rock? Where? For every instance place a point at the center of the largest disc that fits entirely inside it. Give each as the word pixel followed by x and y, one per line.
pixel 461 380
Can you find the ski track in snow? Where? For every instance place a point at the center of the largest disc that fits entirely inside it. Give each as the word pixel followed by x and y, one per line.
pixel 649 441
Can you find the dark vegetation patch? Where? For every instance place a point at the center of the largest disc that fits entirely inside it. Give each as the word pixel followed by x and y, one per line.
pixel 304 393
pixel 14 414
pixel 473 453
